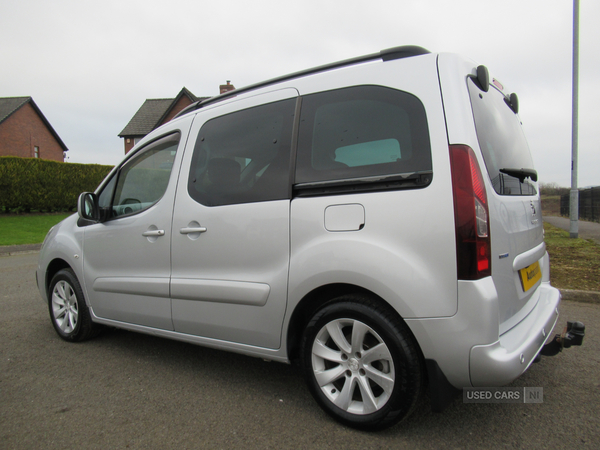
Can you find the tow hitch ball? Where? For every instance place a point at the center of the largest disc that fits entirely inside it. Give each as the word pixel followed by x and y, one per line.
pixel 572 335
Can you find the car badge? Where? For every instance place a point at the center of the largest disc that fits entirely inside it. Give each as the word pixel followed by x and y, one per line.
pixel 534 218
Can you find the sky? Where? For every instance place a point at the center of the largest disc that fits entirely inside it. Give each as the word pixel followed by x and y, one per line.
pixel 90 65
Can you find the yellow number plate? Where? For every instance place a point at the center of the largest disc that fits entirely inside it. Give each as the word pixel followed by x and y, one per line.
pixel 530 276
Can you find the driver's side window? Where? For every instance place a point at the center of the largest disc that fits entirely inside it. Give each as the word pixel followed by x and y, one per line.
pixel 142 181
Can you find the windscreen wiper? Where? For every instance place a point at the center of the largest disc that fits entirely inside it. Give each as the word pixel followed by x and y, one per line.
pixel 521 174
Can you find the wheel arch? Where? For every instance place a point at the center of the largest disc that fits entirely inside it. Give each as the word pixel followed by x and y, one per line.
pixel 56 265
pixel 317 299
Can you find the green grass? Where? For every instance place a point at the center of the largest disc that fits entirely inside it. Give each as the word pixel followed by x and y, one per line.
pixel 574 263
pixel 18 229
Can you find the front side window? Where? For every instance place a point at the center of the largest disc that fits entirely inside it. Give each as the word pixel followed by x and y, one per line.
pixel 244 156
pixel 361 132
pixel 141 181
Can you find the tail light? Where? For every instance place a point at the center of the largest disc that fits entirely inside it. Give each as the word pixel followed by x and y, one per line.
pixel 471 215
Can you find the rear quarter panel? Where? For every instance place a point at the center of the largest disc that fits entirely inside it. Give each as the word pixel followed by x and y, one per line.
pixel 405 253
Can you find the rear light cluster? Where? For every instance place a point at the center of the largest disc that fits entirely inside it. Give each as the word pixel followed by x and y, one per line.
pixel 471 215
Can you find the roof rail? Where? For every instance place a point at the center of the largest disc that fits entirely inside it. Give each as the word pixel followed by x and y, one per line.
pixel 389 54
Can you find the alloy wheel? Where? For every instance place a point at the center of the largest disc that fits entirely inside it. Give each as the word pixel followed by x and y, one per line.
pixel 65 309
pixel 353 366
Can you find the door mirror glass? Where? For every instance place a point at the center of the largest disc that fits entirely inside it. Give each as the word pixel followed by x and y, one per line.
pixel 87 206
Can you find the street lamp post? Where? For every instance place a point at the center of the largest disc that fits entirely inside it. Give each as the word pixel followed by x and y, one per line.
pixel 574 203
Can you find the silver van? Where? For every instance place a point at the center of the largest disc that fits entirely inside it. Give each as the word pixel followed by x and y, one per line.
pixel 375 220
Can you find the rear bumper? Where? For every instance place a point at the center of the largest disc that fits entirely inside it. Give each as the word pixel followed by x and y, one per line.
pixel 506 359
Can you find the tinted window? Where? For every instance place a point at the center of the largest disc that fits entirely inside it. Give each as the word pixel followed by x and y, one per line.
pixel 141 181
pixel 361 132
pixel 244 156
pixel 501 140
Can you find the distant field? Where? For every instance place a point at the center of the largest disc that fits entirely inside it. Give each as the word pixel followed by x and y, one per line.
pixel 551 205
pixel 574 263
pixel 18 229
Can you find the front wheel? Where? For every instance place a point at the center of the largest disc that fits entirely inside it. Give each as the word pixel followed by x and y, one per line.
pixel 361 363
pixel 68 311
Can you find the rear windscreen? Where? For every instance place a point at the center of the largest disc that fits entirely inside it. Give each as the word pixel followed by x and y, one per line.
pixel 502 141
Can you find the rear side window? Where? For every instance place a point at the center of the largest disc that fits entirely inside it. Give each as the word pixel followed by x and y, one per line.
pixel 502 141
pixel 244 157
pixel 361 132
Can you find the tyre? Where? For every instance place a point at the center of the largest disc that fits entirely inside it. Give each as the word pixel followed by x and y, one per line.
pixel 68 311
pixel 361 363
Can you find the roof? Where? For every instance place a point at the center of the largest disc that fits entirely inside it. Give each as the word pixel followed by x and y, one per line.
pixel 10 105
pixel 147 117
pixel 389 54
pixel 152 113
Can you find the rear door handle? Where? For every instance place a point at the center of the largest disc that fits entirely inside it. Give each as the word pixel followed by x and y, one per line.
pixel 190 230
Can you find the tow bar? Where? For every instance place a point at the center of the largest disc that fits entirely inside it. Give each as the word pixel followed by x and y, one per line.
pixel 572 335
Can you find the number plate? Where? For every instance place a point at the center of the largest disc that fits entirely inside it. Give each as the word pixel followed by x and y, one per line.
pixel 530 276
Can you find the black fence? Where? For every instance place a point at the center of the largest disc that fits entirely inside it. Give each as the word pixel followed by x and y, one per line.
pixel 589 204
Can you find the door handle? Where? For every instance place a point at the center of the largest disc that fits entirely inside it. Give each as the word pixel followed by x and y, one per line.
pixel 153 233
pixel 190 230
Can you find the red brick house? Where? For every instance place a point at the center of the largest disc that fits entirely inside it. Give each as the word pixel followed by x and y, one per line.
pixel 25 132
pixel 153 113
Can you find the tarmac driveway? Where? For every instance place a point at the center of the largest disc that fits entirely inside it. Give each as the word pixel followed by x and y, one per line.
pixel 132 391
pixel 587 230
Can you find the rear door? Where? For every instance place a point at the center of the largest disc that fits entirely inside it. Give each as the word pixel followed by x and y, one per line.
pixel 230 244
pixel 515 209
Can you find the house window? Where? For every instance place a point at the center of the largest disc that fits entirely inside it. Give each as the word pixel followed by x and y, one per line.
pixel 36 152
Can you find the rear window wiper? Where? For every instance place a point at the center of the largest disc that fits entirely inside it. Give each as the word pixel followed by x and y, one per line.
pixel 521 174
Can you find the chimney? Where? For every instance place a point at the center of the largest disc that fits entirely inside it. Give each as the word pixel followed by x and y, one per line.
pixel 226 87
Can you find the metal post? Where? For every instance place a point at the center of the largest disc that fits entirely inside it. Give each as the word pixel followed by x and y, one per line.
pixel 574 203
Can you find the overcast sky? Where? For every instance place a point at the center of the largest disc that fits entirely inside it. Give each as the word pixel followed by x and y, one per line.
pixel 90 65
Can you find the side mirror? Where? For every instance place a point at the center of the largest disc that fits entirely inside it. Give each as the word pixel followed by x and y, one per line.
pixel 87 207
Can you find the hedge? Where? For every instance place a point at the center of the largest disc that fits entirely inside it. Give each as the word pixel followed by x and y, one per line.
pixel 35 184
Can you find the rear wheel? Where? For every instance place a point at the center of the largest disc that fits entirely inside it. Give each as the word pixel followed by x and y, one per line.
pixel 361 363
pixel 68 311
